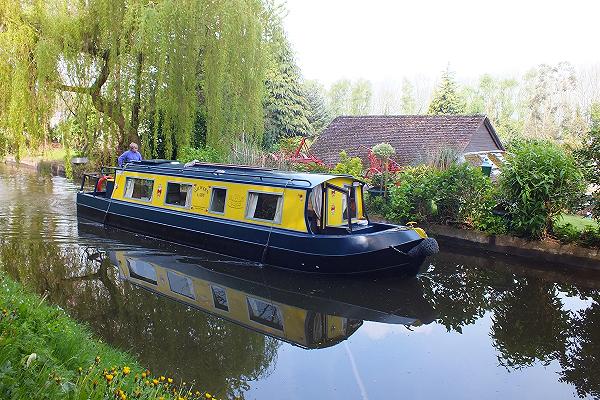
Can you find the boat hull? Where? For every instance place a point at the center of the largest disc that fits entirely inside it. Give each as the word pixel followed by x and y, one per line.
pixel 386 249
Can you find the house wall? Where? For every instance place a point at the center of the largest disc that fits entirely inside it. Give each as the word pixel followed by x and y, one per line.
pixel 481 141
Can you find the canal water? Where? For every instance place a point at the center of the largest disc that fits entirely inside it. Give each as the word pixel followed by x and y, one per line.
pixel 470 326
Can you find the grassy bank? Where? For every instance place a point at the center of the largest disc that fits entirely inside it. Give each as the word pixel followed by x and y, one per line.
pixel 44 354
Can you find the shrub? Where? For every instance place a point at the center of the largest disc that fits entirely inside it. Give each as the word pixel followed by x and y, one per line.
pixel 460 194
pixel 539 181
pixel 464 195
pixel 349 165
pixel 205 154
pixel 376 205
pixel 412 198
pixel 589 160
pixel 383 151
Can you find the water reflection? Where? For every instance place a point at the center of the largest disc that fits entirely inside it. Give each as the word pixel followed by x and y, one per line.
pixel 230 324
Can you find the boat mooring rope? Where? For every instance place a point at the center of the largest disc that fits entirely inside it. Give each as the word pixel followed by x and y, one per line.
pixel 264 254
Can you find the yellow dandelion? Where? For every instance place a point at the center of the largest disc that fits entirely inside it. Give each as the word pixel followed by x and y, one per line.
pixel 109 377
pixel 126 370
pixel 144 375
pixel 162 378
pixel 170 380
pixel 155 381
pixel 208 396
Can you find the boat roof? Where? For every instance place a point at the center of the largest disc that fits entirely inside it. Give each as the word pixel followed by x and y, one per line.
pixel 232 173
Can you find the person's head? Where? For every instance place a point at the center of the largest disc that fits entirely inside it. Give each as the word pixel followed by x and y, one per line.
pixel 133 147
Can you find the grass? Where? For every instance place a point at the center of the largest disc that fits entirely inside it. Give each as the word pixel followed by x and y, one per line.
pixel 46 354
pixel 578 222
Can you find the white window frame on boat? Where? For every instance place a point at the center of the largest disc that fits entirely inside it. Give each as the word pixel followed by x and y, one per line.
pixel 188 198
pixel 210 203
pixel 251 206
pixel 129 195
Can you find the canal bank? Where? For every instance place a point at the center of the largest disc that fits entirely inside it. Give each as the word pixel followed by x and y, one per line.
pixel 46 354
pixel 551 251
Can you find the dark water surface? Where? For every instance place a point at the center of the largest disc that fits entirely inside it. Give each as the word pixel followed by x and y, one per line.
pixel 469 327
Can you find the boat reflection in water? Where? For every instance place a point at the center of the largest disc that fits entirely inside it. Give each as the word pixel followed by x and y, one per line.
pixel 306 311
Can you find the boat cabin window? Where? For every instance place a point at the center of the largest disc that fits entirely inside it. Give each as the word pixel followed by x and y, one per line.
pixel 264 313
pixel 264 207
pixel 217 200
pixel 138 188
pixel 178 194
pixel 142 271
pixel 181 284
pixel 220 298
pixel 349 203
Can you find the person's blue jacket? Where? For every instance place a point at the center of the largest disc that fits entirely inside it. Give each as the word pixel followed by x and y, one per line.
pixel 129 156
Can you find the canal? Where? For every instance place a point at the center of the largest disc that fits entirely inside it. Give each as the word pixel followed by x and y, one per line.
pixel 470 326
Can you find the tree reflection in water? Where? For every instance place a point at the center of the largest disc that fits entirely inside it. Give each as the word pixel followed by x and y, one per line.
pixel 529 321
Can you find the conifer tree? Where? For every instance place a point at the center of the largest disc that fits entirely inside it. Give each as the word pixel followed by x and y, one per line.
pixel 287 110
pixel 319 113
pixel 446 99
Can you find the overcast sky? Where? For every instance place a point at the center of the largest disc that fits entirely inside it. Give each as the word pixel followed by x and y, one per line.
pixel 385 40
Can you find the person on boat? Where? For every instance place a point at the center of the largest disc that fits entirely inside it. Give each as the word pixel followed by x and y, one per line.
pixel 130 155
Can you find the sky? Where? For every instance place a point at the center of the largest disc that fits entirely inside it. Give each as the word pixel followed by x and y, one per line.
pixel 384 40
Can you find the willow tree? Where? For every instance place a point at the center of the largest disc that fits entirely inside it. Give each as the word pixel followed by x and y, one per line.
pixel 148 68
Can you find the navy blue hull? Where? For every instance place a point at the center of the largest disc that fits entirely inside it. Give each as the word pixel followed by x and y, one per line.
pixel 326 254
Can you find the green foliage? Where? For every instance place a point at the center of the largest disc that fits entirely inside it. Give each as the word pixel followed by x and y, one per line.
pixel 338 97
pixel 204 154
pixel 383 151
pixel 412 199
pixel 460 194
pixel 143 71
pixel 376 205
pixel 589 158
pixel 539 181
pixel 45 354
pixel 360 97
pixel 349 165
pixel 446 98
pixel 287 110
pixel 319 113
pixel 288 144
pixel 407 101
pixel 312 167
pixel 444 158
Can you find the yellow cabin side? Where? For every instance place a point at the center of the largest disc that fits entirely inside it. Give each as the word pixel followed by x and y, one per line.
pixel 293 205
pixel 336 201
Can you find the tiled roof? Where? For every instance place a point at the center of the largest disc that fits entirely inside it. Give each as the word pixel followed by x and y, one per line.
pixel 414 137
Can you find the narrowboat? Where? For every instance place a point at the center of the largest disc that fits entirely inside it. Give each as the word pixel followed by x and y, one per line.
pixel 301 221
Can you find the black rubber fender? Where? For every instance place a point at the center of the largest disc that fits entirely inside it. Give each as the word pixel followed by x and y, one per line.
pixel 427 247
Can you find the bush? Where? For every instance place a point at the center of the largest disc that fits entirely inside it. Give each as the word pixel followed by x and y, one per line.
pixel 206 154
pixel 349 166
pixel 312 167
pixel 589 160
pixel 412 198
pixel 567 233
pixel 539 181
pixel 460 194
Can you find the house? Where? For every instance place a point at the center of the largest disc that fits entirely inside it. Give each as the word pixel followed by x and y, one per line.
pixel 417 139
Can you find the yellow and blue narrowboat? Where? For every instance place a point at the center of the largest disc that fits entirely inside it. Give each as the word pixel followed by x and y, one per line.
pixel 301 221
